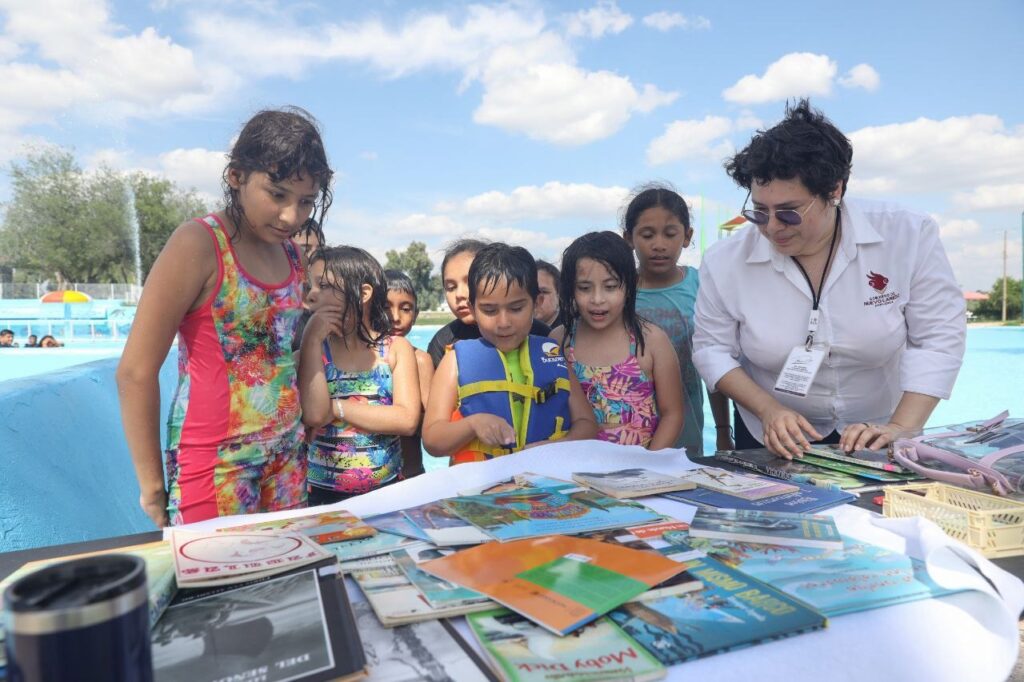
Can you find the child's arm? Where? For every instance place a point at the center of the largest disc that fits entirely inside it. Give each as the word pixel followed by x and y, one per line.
pixel 584 426
pixel 425 367
pixel 402 416
pixel 668 388
pixel 314 394
pixel 719 403
pixel 182 277
pixel 441 436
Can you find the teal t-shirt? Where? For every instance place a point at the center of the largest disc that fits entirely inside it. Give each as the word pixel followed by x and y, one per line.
pixel 672 308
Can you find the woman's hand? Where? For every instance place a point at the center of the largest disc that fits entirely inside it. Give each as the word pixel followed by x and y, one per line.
pixel 870 436
pixel 492 430
pixel 786 431
pixel 155 506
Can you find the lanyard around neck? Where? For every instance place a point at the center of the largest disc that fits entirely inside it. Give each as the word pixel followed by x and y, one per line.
pixel 812 322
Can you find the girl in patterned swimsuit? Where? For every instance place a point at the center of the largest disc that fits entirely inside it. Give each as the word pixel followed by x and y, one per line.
pixel 359 385
pixel 626 366
pixel 230 286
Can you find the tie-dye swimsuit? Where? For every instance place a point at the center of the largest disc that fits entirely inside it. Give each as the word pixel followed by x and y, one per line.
pixel 234 433
pixel 622 397
pixel 343 458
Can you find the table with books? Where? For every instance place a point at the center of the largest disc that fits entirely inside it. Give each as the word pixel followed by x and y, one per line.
pixel 791 585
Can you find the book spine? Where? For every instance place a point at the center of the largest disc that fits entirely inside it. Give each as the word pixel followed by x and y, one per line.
pixel 754 466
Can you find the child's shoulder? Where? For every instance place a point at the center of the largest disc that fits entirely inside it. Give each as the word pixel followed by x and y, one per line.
pixel 654 336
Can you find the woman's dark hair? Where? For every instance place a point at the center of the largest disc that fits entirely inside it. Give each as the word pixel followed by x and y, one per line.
pixel 498 261
pixel 804 145
pixel 458 246
pixel 399 281
pixel 553 271
pixel 283 143
pixel 352 268
pixel 655 196
pixel 612 251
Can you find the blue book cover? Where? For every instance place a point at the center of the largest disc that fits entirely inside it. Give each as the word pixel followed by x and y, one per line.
pixel 807 500
pixel 529 513
pixel 858 577
pixel 765 527
pixel 732 611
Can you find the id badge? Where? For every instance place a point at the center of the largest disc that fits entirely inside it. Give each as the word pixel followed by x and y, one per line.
pixel 798 373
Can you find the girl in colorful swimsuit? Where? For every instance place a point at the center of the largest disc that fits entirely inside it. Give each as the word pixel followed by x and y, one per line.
pixel 359 385
pixel 230 286
pixel 627 367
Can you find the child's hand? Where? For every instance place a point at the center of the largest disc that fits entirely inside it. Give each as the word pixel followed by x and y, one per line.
pixel 492 430
pixel 324 321
pixel 155 506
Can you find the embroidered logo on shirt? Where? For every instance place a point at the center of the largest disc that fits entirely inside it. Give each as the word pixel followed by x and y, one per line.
pixel 878 282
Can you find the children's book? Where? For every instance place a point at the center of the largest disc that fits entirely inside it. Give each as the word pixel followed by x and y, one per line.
pixel 378 543
pixel 761 461
pixel 558 581
pixel 736 485
pixel 544 511
pixel 668 538
pixel 522 481
pixel 211 559
pixel 875 459
pixel 396 601
pixel 432 651
pixel 438 592
pixel 861 471
pixel 771 528
pixel 858 577
pixel 325 528
pixel 523 652
pixel 626 483
pixel 806 500
pixel 397 524
pixel 442 526
pixel 732 611
pixel 292 626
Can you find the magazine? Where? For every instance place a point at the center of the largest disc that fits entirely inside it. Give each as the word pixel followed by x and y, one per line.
pixel 431 651
pixel 378 543
pixel 772 528
pixel 558 581
pixel 737 485
pixel 861 471
pixel 522 481
pixel 323 528
pixel 668 538
pixel 295 625
pixel 439 593
pixel 761 461
pixel 524 652
pixel 544 511
pixel 806 500
pixel 206 559
pixel 732 611
pixel 396 523
pixel 442 526
pixel 626 483
pixel 875 459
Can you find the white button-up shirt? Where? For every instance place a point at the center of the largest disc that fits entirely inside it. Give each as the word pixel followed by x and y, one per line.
pixel 892 317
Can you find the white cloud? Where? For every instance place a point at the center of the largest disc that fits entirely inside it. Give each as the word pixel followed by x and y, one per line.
pixel 991 197
pixel 978 264
pixel 550 200
pixel 957 228
pixel 603 18
pixel 424 225
pixel 195 168
pixel 926 155
pixel 689 139
pixel 666 21
pixel 798 74
pixel 861 76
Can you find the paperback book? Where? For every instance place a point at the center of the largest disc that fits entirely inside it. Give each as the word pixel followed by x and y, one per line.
pixel 291 626
pixel 626 483
pixel 761 461
pixel 396 523
pixel 732 611
pixel 210 559
pixel 875 459
pixel 861 471
pixel 439 593
pixel 323 528
pixel 442 525
pixel 545 511
pixel 772 528
pixel 668 538
pixel 806 500
pixel 375 545
pixel 736 485
pixel 520 651
pixel 559 582
pixel 522 481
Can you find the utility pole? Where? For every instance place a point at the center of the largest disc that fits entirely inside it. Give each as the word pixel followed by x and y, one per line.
pixel 1022 267
pixel 1005 232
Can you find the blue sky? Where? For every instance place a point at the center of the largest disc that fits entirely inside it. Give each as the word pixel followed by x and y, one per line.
pixel 531 121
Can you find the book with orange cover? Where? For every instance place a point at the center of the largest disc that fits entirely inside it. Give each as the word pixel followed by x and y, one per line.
pixel 557 581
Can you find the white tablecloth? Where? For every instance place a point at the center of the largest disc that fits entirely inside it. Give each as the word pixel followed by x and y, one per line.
pixel 967 636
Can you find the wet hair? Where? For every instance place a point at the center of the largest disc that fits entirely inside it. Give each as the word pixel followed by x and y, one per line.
pixel 283 143
pixel 473 246
pixel 655 196
pixel 612 251
pixel 43 340
pixel 353 267
pixel 401 282
pixel 499 261
pixel 804 145
pixel 551 270
pixel 6 332
pixel 312 228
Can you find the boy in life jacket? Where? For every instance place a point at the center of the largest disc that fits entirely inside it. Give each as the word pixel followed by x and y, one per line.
pixel 507 390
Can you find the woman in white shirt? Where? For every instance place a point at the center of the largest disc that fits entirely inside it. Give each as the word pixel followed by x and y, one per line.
pixel 835 320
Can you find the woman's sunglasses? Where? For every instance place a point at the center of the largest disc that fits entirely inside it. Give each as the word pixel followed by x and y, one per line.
pixel 786 216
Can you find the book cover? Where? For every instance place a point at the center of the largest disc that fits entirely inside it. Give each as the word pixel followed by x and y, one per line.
pixel 772 528
pixel 439 593
pixel 544 511
pixel 861 471
pixel 374 545
pixel 732 611
pixel 626 483
pixel 524 652
pixel 737 485
pixel 858 577
pixel 397 602
pixel 806 500
pixel 396 523
pixel 668 538
pixel 442 526
pixel 337 526
pixel 432 651
pixel 522 481
pixel 295 625
pixel 875 459
pixel 209 559
pixel 559 582
pixel 761 461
